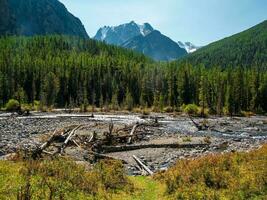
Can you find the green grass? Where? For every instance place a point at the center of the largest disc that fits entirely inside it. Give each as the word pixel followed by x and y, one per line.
pixel 148 189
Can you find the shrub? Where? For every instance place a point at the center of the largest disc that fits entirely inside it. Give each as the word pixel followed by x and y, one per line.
pixel 168 109
pixel 191 109
pixel 247 114
pixel 12 105
pixel 146 111
pixel 26 107
pixel 112 175
pixel 229 176
pixel 61 178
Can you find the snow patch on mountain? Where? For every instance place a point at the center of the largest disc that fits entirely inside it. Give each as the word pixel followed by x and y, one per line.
pixel 104 32
pixel 188 46
pixel 120 34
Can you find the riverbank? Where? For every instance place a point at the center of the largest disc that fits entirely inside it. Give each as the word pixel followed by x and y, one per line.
pixel 224 134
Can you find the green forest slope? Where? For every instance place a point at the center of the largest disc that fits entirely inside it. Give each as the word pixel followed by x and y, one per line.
pixel 247 49
pixel 60 71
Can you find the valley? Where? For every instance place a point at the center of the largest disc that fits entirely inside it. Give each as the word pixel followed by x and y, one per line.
pixel 136 112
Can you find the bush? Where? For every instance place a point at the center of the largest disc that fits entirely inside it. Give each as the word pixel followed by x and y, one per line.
pixel 146 111
pixel 247 114
pixel 229 176
pixel 168 109
pixel 61 178
pixel 112 175
pixel 12 105
pixel 191 109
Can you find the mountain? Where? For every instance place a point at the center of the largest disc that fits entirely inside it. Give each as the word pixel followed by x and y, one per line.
pixel 142 38
pixel 156 46
pixel 120 34
pixel 247 49
pixel 38 17
pixel 188 46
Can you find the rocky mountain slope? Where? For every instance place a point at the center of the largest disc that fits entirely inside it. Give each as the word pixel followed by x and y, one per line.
pixel 142 38
pixel 42 17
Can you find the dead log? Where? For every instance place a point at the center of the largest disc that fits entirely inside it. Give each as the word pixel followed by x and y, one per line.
pixel 48 142
pixel 198 126
pixel 47 152
pixel 71 134
pixel 92 137
pixel 132 132
pixel 110 149
pixel 74 141
pixel 142 165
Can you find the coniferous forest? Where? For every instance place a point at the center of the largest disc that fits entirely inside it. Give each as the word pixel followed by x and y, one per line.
pixel 63 71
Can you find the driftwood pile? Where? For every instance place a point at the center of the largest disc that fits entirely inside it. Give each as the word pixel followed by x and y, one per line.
pixel 96 145
pixel 69 136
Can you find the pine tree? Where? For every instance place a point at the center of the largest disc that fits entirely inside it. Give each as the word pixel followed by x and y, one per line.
pixel 50 89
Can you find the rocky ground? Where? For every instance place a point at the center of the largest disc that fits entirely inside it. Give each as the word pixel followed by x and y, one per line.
pixel 224 135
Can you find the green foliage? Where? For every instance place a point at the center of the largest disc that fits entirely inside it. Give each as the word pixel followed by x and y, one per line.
pixel 12 105
pixel 129 101
pixel 230 176
pixel 191 109
pixel 61 179
pixel 246 49
pixel 168 109
pixel 68 72
pixel 112 175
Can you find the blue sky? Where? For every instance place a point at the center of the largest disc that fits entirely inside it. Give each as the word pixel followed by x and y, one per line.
pixel 197 21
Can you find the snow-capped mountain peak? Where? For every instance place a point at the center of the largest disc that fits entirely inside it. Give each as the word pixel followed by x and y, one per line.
pixel 120 34
pixel 142 38
pixel 188 46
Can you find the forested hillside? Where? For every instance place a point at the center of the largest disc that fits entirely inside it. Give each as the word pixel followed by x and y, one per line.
pixel 247 49
pixel 68 71
pixel 42 17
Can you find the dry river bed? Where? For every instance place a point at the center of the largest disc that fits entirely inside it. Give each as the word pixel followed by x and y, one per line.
pixel 225 134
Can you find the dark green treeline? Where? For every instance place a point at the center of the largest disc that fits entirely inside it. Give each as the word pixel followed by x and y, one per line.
pixel 59 71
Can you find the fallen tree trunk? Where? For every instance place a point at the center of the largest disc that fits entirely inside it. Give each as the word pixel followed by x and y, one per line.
pixel 197 125
pixel 131 134
pixel 72 133
pixel 142 165
pixel 110 149
pixel 48 142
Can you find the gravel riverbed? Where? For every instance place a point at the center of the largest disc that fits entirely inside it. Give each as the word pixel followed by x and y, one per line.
pixel 225 134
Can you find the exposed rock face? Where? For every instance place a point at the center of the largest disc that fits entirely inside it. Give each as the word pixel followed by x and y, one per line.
pixel 156 46
pixel 142 38
pixel 118 35
pixel 38 17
